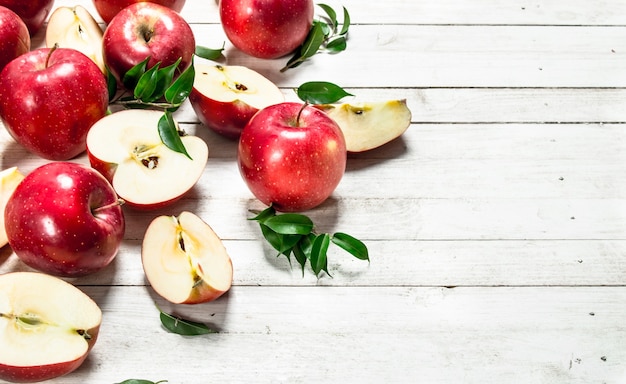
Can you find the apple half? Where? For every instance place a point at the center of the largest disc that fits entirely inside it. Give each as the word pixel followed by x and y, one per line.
pixel 127 149
pixel 368 125
pixel 47 326
pixel 225 97
pixel 9 180
pixel 184 260
pixel 74 27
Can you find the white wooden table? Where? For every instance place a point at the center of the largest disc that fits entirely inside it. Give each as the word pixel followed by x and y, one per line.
pixel 496 224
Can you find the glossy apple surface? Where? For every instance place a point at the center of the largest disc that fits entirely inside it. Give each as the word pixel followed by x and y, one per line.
pixel 14 37
pixel 184 260
pixel 127 149
pixel 266 29
pixel 107 9
pixel 226 97
pixel 33 12
pixel 49 98
pixel 64 219
pixel 145 30
pixel 293 164
pixel 47 327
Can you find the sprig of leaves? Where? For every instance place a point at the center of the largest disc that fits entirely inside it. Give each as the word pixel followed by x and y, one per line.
pixel 180 326
pixel 324 36
pixel 293 234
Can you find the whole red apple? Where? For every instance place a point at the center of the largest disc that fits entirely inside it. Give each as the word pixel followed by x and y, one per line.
pixel 107 9
pixel 49 98
pixel 292 157
pixel 64 219
pixel 33 12
pixel 266 29
pixel 14 37
pixel 144 30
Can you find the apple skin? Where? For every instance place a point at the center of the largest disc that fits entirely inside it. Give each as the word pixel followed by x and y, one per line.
pixel 32 12
pixel 107 9
pixel 144 30
pixel 49 110
pixel 64 219
pixel 14 37
pixel 39 373
pixel 266 29
pixel 294 168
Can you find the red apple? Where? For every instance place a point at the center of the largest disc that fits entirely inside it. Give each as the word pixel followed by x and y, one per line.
pixel 14 37
pixel 226 97
pixel 291 157
pixel 145 30
pixel 49 98
pixel 47 327
pixel 107 9
pixel 266 29
pixel 64 219
pixel 33 12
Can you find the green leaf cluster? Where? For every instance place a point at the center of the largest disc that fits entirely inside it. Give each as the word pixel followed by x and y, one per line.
pixel 293 234
pixel 325 36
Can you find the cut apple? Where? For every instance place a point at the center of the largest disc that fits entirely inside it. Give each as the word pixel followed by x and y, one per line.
pixel 127 149
pixel 47 326
pixel 366 125
pixel 184 260
pixel 74 27
pixel 9 179
pixel 226 97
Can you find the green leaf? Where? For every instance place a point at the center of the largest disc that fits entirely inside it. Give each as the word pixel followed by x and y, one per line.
pixel 147 84
pixel 321 92
pixel 346 22
pixel 302 250
pixel 351 244
pixel 131 78
pixel 337 44
pixel 111 85
pixel 183 327
pixel 319 251
pixel 332 15
pixel 182 86
pixel 311 45
pixel 280 242
pixel 140 381
pixel 264 214
pixel 209 53
pixel 290 224
pixel 168 131
pixel 163 80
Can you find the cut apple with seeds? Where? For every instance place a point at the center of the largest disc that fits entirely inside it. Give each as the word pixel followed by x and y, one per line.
pixel 184 260
pixel 366 125
pixel 47 326
pixel 226 97
pixel 9 180
pixel 126 148
pixel 74 27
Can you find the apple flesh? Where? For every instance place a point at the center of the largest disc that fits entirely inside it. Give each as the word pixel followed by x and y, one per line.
pixel 47 327
pixel 9 180
pixel 292 157
pixel 126 148
pixel 266 29
pixel 226 97
pixel 74 27
pixel 14 37
pixel 32 12
pixel 369 125
pixel 64 219
pixel 184 260
pixel 147 30
pixel 107 9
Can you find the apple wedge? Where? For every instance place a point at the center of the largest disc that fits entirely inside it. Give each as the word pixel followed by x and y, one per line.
pixel 126 148
pixel 74 27
pixel 184 260
pixel 47 326
pixel 368 125
pixel 225 97
pixel 9 179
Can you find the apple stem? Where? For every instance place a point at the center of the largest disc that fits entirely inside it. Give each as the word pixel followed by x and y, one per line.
pixel 300 113
pixel 52 49
pixel 116 203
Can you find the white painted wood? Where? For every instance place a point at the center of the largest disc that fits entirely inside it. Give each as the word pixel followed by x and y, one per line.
pixel 496 224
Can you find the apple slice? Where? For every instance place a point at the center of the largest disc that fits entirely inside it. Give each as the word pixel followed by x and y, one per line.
pixel 226 97
pixel 184 260
pixel 369 125
pixel 126 148
pixel 9 179
pixel 47 326
pixel 74 27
